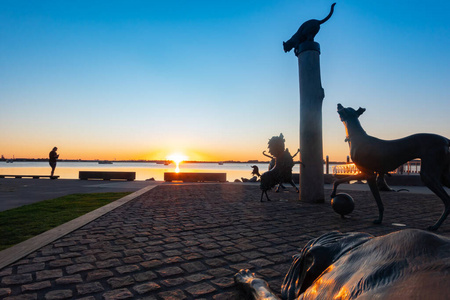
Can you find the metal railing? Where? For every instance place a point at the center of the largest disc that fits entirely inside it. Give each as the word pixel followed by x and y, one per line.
pixel 411 167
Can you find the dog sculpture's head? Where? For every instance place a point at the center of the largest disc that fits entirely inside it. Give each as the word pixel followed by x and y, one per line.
pixel 346 113
pixel 316 257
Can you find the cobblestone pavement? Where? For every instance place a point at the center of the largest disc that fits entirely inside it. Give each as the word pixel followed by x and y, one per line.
pixel 187 242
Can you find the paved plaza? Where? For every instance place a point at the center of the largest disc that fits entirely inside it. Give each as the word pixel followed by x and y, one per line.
pixel 187 241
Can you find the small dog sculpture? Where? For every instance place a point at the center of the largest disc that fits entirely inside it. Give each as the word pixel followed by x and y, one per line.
pixel 373 156
pixel 407 264
pixel 306 32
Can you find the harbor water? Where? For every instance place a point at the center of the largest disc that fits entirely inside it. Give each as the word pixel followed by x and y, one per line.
pixel 144 170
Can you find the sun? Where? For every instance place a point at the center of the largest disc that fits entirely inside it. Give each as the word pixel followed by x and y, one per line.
pixel 177 158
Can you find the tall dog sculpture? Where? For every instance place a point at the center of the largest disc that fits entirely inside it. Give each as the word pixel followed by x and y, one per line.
pixel 282 169
pixel 407 264
pixel 373 156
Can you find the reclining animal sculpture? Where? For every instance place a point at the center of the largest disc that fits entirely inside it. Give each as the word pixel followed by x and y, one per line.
pixel 407 264
pixel 374 156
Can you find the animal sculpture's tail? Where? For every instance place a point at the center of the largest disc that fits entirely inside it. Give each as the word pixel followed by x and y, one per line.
pixel 329 15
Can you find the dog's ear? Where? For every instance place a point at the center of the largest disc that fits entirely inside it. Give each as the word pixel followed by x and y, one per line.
pixel 360 111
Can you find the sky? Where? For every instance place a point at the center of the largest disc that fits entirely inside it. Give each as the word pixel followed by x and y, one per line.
pixel 209 79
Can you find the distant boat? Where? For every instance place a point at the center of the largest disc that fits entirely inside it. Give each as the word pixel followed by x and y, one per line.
pixel 105 162
pixel 9 161
pixel 220 163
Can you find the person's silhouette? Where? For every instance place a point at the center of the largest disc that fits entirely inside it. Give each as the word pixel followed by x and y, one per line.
pixel 53 157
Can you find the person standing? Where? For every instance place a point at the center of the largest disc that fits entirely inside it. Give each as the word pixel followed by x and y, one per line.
pixel 53 157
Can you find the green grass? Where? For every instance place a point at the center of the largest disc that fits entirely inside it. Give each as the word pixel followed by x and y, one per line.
pixel 22 223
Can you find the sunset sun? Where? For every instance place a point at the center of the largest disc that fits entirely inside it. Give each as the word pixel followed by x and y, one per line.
pixel 177 158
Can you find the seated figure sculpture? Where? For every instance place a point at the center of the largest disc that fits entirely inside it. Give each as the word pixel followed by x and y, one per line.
pixel 282 168
pixel 407 264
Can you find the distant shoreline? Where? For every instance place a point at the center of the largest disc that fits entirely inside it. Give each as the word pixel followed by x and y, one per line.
pixel 154 161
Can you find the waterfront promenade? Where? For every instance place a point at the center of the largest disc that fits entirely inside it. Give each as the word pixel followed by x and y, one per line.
pixel 186 241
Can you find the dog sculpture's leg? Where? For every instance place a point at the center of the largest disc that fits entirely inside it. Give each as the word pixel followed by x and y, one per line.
pixel 293 184
pixel 337 182
pixel 431 178
pixel 254 287
pixel 262 196
pixel 372 181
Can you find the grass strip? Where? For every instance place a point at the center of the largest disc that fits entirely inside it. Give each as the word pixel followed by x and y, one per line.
pixel 22 223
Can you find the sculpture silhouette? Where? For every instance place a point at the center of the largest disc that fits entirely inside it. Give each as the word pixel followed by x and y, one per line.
pixel 306 32
pixel 373 156
pixel 407 264
pixel 282 169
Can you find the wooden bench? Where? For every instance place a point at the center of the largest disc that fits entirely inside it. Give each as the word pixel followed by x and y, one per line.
pixel 195 177
pixel 29 176
pixel 106 175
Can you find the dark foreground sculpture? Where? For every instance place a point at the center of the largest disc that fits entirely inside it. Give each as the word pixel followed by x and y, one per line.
pixel 407 264
pixel 282 169
pixel 373 156
pixel 306 32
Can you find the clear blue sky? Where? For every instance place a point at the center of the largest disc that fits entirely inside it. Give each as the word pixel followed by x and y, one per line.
pixel 144 79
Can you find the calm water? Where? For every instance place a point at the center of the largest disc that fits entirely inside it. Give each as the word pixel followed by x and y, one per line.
pixel 69 170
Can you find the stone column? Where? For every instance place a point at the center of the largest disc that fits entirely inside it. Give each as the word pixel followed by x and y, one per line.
pixel 311 98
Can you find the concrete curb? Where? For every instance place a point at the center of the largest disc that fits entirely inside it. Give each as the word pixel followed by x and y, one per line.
pixel 14 253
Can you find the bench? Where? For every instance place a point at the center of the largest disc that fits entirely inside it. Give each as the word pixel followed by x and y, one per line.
pixel 195 177
pixel 106 175
pixel 29 176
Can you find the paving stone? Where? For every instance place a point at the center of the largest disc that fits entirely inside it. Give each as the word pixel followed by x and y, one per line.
pixel 23 297
pixel 5 292
pixel 224 282
pixel 132 259
pixel 146 287
pixel 172 295
pixel 89 288
pixel 127 269
pixel 79 268
pixel 59 294
pixel 17 279
pixel 198 277
pixel 215 262
pixel 117 294
pixel 5 272
pixel 144 276
pixel 69 279
pixel 173 281
pixel 118 282
pixel 260 262
pixel 28 268
pixel 98 274
pixel 36 286
pixel 173 260
pixel 109 255
pixel 85 259
pixel 109 263
pixel 193 267
pixel 200 289
pixel 57 263
pixel 170 271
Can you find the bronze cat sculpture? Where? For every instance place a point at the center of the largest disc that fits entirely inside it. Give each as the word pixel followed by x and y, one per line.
pixel 306 32
pixel 407 264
